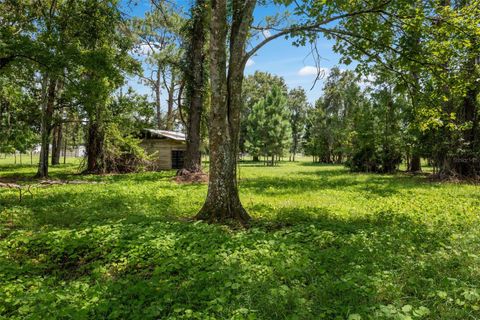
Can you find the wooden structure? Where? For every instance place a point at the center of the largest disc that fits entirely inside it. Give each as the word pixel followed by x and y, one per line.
pixel 168 147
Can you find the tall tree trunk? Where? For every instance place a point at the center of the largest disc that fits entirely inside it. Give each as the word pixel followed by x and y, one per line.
pixel 223 202
pixel 46 128
pixel 158 93
pixel 415 163
pixel 294 147
pixel 57 138
pixel 170 103
pixel 195 84
pixel 95 144
pixel 65 144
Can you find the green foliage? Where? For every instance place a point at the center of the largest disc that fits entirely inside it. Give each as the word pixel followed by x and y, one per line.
pixel 361 128
pixel 376 137
pixel 255 88
pixel 326 244
pixel 131 112
pixel 330 122
pixel 297 105
pixel 268 126
pixel 17 118
pixel 122 152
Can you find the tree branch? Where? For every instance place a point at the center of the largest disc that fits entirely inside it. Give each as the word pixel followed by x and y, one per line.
pixel 309 27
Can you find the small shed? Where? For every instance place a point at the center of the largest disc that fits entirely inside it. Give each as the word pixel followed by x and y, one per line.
pixel 167 146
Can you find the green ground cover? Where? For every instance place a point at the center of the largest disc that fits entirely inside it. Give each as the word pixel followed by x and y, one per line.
pixel 324 244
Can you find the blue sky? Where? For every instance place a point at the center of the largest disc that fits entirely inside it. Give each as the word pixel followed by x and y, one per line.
pixel 295 64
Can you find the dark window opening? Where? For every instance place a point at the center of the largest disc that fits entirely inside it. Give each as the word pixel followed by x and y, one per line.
pixel 177 159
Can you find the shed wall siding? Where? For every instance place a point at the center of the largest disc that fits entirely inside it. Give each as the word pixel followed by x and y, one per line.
pixel 163 150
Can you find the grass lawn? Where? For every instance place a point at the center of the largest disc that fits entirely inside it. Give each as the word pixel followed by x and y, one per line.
pixel 325 244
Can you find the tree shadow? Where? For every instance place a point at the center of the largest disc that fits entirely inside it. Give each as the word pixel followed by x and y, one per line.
pixel 75 206
pixel 308 181
pixel 103 252
pixel 311 265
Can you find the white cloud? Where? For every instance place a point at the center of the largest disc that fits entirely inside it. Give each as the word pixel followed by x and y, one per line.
pixel 266 33
pixel 366 81
pixel 147 49
pixel 369 78
pixel 250 63
pixel 313 71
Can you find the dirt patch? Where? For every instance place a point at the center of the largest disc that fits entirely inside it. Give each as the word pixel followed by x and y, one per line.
pixel 453 179
pixel 185 176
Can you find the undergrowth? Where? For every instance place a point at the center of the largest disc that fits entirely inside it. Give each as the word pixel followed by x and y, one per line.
pixel 325 244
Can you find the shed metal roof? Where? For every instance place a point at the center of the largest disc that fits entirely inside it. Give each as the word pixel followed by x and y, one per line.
pixel 166 134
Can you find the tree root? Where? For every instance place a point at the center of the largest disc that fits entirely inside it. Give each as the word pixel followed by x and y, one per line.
pixel 21 189
pixel 27 188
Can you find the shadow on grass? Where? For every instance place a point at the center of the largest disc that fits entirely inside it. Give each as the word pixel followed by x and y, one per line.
pixel 102 251
pixel 308 181
pixel 26 173
pixel 75 206
pixel 318 267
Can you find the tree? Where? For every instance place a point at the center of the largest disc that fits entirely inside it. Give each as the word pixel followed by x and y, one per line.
pixel 377 137
pixel 195 81
pixel 331 121
pixel 49 94
pixel 18 113
pixel 268 126
pixel 105 58
pixel 255 88
pixel 132 112
pixel 298 106
pixel 158 38
pixel 317 138
pixel 223 202
pixel 432 48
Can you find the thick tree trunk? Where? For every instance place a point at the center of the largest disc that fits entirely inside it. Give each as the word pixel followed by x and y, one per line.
pixel 57 138
pixel 415 163
pixel 195 82
pixel 95 144
pixel 256 158
pixel 46 128
pixel 223 202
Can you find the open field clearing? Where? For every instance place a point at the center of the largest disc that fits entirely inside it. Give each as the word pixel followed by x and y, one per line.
pixel 325 243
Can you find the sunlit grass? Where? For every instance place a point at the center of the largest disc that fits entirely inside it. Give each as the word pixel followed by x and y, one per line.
pixel 324 244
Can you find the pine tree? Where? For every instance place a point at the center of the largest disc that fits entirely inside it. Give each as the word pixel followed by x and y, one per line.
pixel 269 130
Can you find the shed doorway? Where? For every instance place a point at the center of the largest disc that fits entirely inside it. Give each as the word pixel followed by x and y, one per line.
pixel 177 159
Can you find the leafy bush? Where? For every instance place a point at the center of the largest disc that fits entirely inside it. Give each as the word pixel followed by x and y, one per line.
pixel 123 154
